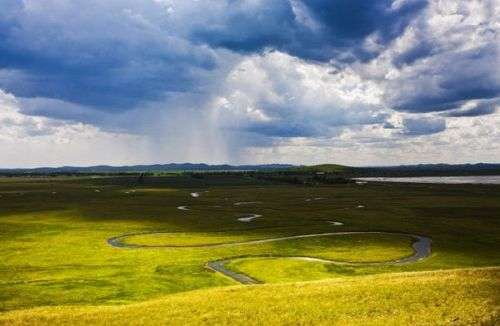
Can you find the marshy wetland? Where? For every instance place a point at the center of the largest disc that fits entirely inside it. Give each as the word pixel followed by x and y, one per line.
pixel 114 241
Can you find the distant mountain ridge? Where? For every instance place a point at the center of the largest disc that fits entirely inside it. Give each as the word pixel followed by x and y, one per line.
pixel 170 167
pixel 421 169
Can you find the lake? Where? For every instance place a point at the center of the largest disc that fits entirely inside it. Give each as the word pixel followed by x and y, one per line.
pixel 484 179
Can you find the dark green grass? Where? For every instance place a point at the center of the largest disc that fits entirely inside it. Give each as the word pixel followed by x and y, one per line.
pixel 54 248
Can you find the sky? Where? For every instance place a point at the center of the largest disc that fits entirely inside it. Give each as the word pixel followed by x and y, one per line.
pixel 355 82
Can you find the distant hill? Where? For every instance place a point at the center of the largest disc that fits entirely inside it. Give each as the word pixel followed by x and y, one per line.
pixel 342 170
pixel 171 167
pixel 399 170
pixel 327 168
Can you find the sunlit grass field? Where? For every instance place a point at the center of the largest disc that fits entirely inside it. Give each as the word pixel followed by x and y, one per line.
pixel 54 232
pixel 464 297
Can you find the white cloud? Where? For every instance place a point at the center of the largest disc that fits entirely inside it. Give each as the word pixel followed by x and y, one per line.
pixel 278 95
pixel 448 55
pixel 465 140
pixel 27 141
pixel 161 80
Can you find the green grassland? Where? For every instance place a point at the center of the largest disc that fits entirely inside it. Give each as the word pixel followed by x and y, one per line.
pixel 54 231
pixel 456 297
pixel 328 168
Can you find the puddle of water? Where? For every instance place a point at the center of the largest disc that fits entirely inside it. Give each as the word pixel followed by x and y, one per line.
pixel 249 218
pixel 246 203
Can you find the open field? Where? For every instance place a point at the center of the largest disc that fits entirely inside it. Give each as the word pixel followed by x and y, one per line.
pixel 54 236
pixel 463 297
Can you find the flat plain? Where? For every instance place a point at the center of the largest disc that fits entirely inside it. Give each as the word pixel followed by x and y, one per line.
pixel 57 263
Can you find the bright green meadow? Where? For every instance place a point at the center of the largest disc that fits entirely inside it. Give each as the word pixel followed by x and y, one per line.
pixel 54 232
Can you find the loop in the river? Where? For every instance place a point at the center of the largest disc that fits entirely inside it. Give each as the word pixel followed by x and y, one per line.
pixel 421 247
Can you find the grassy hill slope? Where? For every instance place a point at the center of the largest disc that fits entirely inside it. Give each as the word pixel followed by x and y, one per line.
pixel 468 296
pixel 327 168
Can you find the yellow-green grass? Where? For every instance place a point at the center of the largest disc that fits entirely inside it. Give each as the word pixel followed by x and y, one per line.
pixel 350 247
pixel 277 270
pixel 342 247
pixel 54 249
pixel 330 168
pixel 188 239
pixel 146 190
pixel 457 297
pixel 369 248
pixel 357 248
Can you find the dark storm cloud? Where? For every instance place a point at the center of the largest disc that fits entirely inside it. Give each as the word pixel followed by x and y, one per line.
pixel 314 29
pixel 419 51
pixel 76 59
pixel 288 123
pixel 444 84
pixel 287 129
pixel 112 55
pixel 423 126
pixel 115 55
pixel 351 21
pixel 481 108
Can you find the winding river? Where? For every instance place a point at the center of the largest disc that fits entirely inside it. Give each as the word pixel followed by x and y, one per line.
pixel 421 246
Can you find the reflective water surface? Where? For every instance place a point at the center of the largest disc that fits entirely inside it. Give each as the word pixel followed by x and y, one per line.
pixel 484 179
